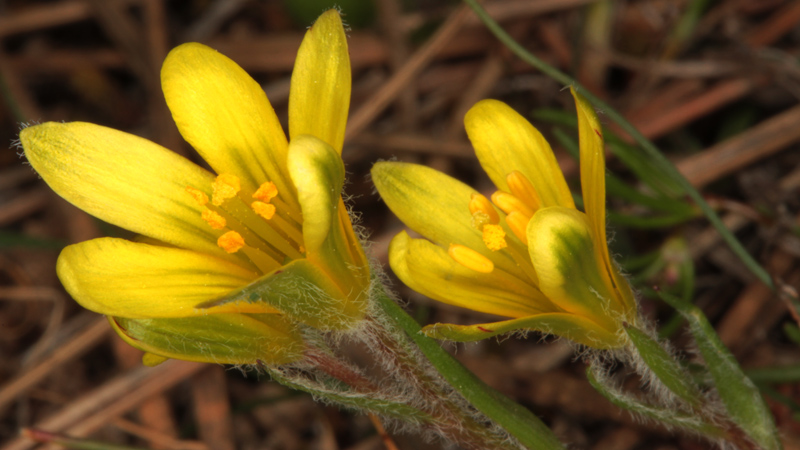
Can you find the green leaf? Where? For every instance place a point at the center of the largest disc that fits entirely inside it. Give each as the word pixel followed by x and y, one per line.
pixel 792 332
pixel 779 374
pixel 356 401
pixel 664 416
pixel 664 366
pixel 740 396
pixel 515 419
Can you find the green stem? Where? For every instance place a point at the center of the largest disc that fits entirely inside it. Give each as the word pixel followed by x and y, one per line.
pixel 449 415
pixel 528 429
pixel 655 155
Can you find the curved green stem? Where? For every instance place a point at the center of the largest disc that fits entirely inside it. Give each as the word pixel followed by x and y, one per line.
pixel 655 155
pixel 516 420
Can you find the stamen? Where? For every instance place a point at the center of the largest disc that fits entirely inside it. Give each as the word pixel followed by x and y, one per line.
pixel 266 192
pixel 523 189
pixel 264 210
pixel 470 259
pixel 261 232
pixel 216 221
pixel 231 242
pixel 494 237
pixel 479 203
pixel 225 187
pixel 508 203
pixel 518 223
pixel 199 196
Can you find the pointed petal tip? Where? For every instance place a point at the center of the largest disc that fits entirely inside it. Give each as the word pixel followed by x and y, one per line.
pixel 319 96
pixel 333 16
pixel 505 142
pixel 224 114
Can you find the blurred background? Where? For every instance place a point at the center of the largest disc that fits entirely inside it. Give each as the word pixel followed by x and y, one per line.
pixel 715 83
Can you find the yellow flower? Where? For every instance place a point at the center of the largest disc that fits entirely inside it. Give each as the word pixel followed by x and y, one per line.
pixel 528 253
pixel 228 264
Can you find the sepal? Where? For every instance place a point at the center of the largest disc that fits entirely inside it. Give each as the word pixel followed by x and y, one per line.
pixel 215 338
pixel 678 419
pixel 576 328
pixel 668 371
pixel 302 291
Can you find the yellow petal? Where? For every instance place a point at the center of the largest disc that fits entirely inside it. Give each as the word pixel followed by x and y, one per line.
pixel 303 292
pixel 593 170
pixel 593 184
pixel 561 247
pixel 429 270
pixel 317 172
pixel 225 115
pixel 123 179
pixel 319 97
pixel 436 206
pixel 216 338
pixel 505 142
pixel 121 278
pixel 575 328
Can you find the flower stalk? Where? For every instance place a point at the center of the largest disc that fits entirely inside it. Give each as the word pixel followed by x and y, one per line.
pixel 426 390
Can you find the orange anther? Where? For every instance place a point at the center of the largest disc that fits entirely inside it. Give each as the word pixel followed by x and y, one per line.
pixel 523 189
pixel 480 204
pixel 199 196
pixel 518 223
pixel 264 210
pixel 216 221
pixel 266 192
pixel 509 202
pixel 470 259
pixel 231 242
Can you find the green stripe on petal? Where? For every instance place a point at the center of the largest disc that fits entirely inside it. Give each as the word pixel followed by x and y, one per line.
pixel 123 179
pixel 435 206
pixel 575 328
pixel 429 270
pixel 504 142
pixel 303 292
pixel 593 184
pixel 226 116
pixel 317 172
pixel 561 247
pixel 217 338
pixel 319 97
pixel 116 277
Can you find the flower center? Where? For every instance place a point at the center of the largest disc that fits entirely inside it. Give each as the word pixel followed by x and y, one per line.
pixel 519 205
pixel 257 227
